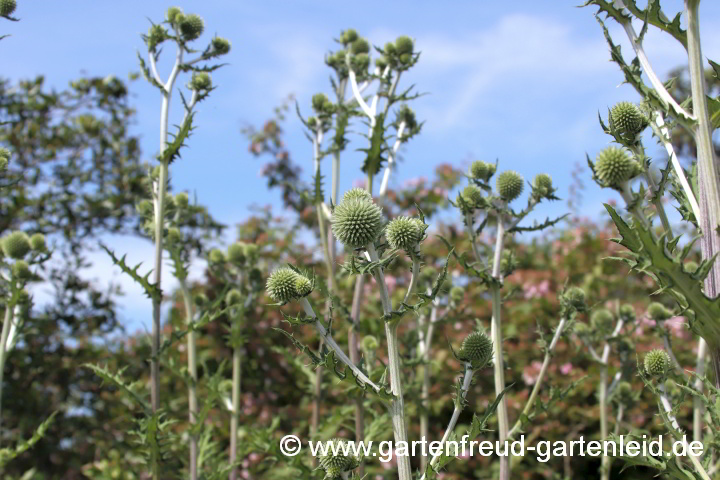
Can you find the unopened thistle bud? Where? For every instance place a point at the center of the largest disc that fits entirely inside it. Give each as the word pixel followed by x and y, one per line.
pixel 581 330
pixel 623 394
pixel 16 245
pixel 21 270
pixel 359 46
pixel 509 185
pixel 173 14
pixel 472 195
pixel 145 208
pixel 303 286
pixel 37 242
pixel 602 320
pixel 200 299
pixel 381 63
pixel 542 184
pixel 389 49
pixel 191 26
pixel 234 297
pixel 627 313
pixel 614 166
pixel 657 363
pixel 174 236
pixel 357 194
pixel 658 312
pixel 156 35
pixel 201 81
pixel 403 233
pixel 476 348
pixel 182 200
pixel 220 45
pixel 319 102
pixel 7 7
pixel 627 120
pixel 361 63
pixel 216 256
pixel 575 298
pixel 4 153
pixel 356 223
pixel 349 36
pixel 403 45
pixel 479 170
pixel 236 253
pixel 406 114
pixel 691 267
pixel 457 294
pixel 333 464
pixel 251 252
pixel 281 285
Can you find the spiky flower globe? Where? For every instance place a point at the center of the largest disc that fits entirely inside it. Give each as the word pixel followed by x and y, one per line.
pixel 356 222
pixel 476 348
pixel 657 363
pixel 404 45
pixel 624 394
pixel 303 286
pixel 349 36
pixel 627 313
pixel 4 158
pixel 582 330
pixel 479 170
pixel 174 14
pixel 221 46
pixel 357 194
pixel 614 166
pixel 472 195
pixel 236 253
pixel 7 7
pixel 174 236
pixel 542 184
pixel 16 245
pixel 182 200
pixel 21 270
pixel 406 114
pixel 192 26
pixel 457 294
pixel 575 298
pixel 510 185
pixel 602 320
pixel 234 297
pixel 403 233
pixel 627 120
pixel 359 46
pixel 625 346
pixel 251 252
pixel 201 81
pixel 37 242
pixel 335 464
pixel 156 35
pixel 216 256
pixel 658 312
pixel 282 285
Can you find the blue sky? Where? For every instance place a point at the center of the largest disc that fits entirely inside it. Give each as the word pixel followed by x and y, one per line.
pixel 520 81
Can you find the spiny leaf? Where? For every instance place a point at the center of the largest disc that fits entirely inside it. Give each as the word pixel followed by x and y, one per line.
pixel 151 289
pixel 8 454
pixel 147 74
pixel 117 380
pixel 374 154
pixel 172 151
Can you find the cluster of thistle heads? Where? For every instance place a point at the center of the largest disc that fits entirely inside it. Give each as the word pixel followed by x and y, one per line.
pixel 509 185
pixel 614 166
pixel 177 211
pixel 7 8
pixel 20 247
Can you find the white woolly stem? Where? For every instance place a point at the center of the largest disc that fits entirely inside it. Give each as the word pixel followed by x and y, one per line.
pixel 391 160
pixel 698 407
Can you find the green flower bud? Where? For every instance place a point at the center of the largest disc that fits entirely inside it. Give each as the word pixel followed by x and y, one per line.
pixel 356 223
pixel 173 14
pixel 457 294
pixel 477 348
pixel 216 256
pixel 389 49
pixel 657 363
pixel 575 298
pixel 627 119
pixel 403 233
pixel 182 200
pixel 256 276
pixel 23 298
pixel 234 297
pixel 21 270
pixel 691 267
pixel 7 7
pixel 3 164
pixel 335 465
pixel 369 343
pixel 581 330
pixel 201 81
pixel 16 245
pixel 156 35
pixel 602 320
pixel 627 313
pixel 312 121
pixel 145 208
pixel 251 252
pixel 236 253
pixel 478 170
pixel 303 286
pixel 191 26
pixel 174 236
pixel 509 185
pixel 542 185
pixel 406 114
pixel 281 285
pixel 5 153
pixel 319 100
pixel 614 166
pixel 658 312
pixel 405 58
pixel 403 45
pixel 381 63
pixel 349 36
pixel 220 45
pixel 359 46
pixel 472 195
pixel 623 394
pixel 37 242
pixel 361 63
pixel 357 194
pixel 200 299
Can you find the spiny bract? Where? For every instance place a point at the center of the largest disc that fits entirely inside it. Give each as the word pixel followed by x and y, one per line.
pixel 16 245
pixel 658 312
pixel 510 185
pixel 476 348
pixel 7 7
pixel 403 233
pixel 335 464
pixel 657 363
pixel 356 222
pixel 627 119
pixel 357 194
pixel 192 26
pixel 281 285
pixel 614 166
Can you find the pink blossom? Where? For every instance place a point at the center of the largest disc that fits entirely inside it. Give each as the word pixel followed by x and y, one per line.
pixel 676 325
pixel 536 291
pixel 415 182
pixel 358 183
pixel 531 372
pixel 566 368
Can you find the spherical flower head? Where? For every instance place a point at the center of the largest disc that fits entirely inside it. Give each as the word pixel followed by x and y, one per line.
pixel 23 298
pixel 602 320
pixel 303 286
pixel 457 294
pixel 173 14
pixel 381 63
pixel 476 348
pixel 7 7
pixel 509 185
pixel 406 114
pixel 542 184
pixel 192 26
pixel 3 164
pixel 614 166
pixel 627 313
pixel 335 465
pixel 201 81
pixel 281 285
pixel 349 36
pixel 216 256
pixel 21 270
pixel 658 312
pixel 575 298
pixel 370 343
pixel 319 100
pixel 182 200
pixel 405 58
pixel 657 363
pixel 251 252
pixel 37 242
pixel 404 45
pixel 627 119
pixel 356 222
pixel 624 394
pixel 233 297
pixel 389 49
pixel 5 153
pixel 581 330
pixel 403 233
pixel 200 299
pixel 472 195
pixel 359 46
pixel 220 45
pixel 156 35
pixel 174 236
pixel 236 253
pixel 479 170
pixel 16 245
pixel 361 63
pixel 357 194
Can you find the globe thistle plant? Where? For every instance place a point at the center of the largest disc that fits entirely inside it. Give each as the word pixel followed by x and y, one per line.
pixel 658 312
pixel 357 223
pixel 7 8
pixel 282 285
pixel 334 461
pixel 627 121
pixel 16 245
pixel 657 363
pixel 613 166
pixel 509 185
pixel 477 349
pixel 404 233
pixel 191 26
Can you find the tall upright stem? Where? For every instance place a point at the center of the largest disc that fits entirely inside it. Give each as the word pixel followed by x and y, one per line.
pixel 708 178
pixel 698 407
pixel 192 371
pixel 234 420
pixel 3 345
pixel 605 460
